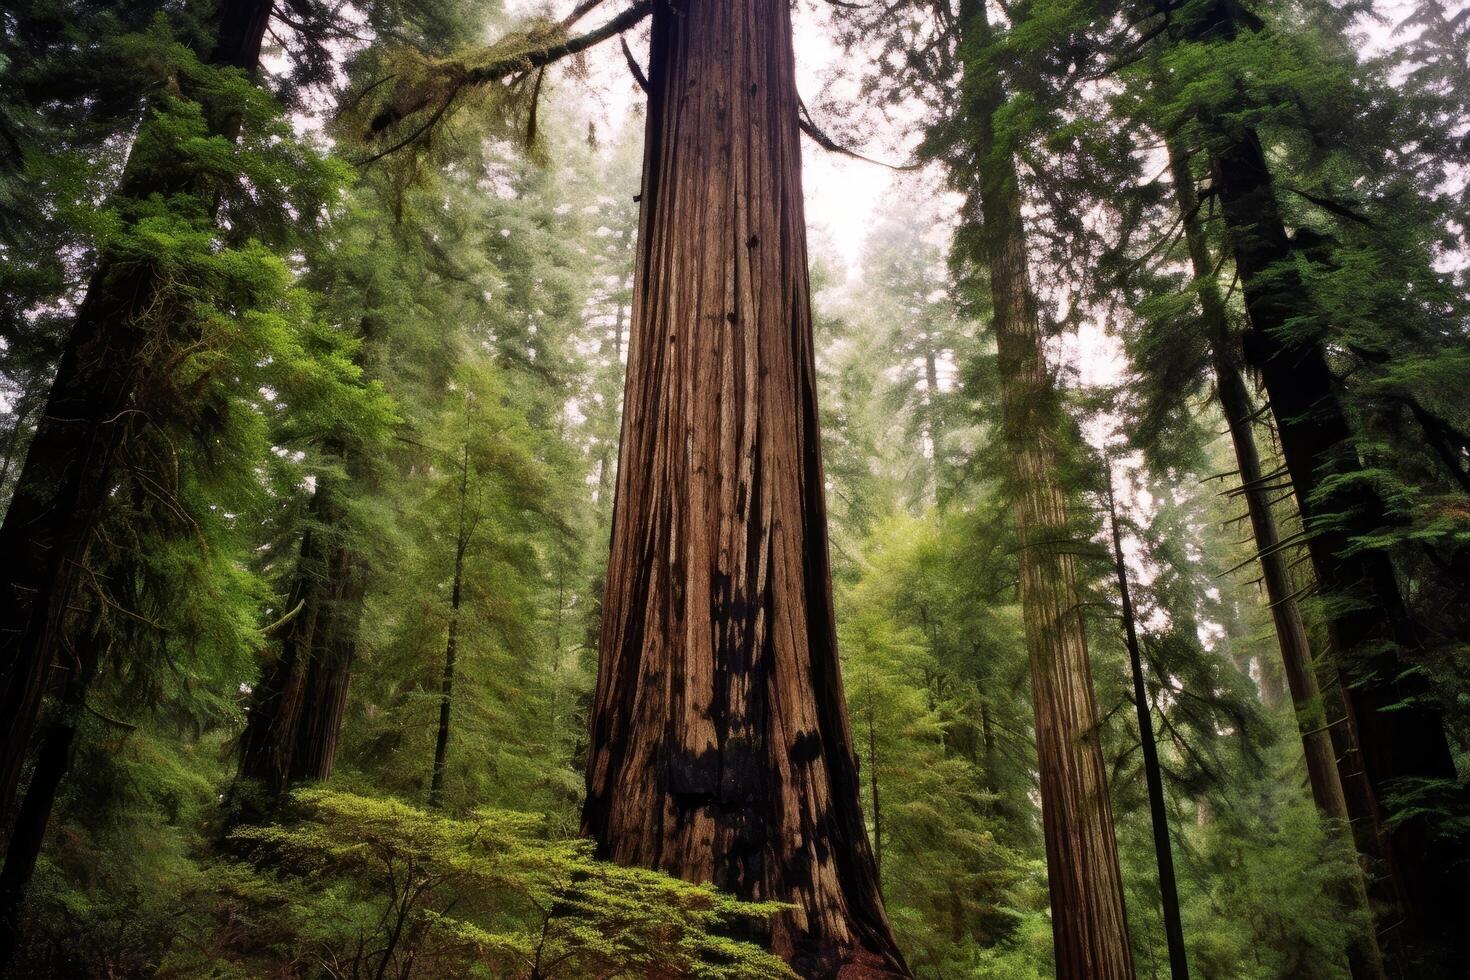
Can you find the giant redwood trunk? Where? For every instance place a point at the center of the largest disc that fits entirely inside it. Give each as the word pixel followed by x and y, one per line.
pixel 70 465
pixel 1089 924
pixel 720 745
pixel 1353 813
pixel 1401 736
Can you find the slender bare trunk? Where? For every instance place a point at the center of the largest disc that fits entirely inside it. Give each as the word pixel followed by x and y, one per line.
pixel 451 644
pixel 720 746
pixel 1323 775
pixel 931 420
pixel 1153 776
pixel 873 786
pixel 1401 741
pixel 605 462
pixel 987 742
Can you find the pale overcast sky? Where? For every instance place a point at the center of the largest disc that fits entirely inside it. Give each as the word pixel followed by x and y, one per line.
pixel 841 192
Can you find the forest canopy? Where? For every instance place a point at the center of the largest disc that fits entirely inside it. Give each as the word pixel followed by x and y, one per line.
pixel 735 489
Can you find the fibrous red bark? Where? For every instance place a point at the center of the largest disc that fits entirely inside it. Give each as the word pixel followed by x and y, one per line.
pixel 721 749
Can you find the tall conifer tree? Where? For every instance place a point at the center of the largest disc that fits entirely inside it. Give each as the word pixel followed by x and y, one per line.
pixel 721 749
pixel 1088 918
pixel 68 471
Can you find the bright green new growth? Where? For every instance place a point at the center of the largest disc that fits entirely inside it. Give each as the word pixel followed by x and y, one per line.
pixel 352 882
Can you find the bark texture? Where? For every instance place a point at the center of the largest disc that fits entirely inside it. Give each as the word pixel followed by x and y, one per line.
pixel 70 464
pixel 720 744
pixel 1089 922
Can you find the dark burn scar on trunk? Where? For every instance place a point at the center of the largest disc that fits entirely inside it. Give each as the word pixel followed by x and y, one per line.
pixel 693 779
pixel 806 748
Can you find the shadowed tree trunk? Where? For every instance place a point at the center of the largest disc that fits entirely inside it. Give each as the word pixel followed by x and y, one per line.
pixel 462 537
pixel 720 745
pixel 296 708
pixel 1401 736
pixel 68 472
pixel 1089 923
pixel 329 673
pixel 1365 958
pixel 53 761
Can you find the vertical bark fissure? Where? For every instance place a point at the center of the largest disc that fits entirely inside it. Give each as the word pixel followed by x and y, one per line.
pixel 720 746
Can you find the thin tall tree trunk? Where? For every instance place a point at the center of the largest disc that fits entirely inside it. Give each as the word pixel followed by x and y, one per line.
pixel 605 467
pixel 1323 775
pixel 1235 404
pixel 987 742
pixel 1153 776
pixel 931 420
pixel 451 644
pixel 69 467
pixel 1402 743
pixel 873 787
pixel 1275 693
pixel 1089 922
pixel 720 745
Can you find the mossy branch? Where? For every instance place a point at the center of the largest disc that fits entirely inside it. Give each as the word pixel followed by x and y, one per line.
pixel 431 88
